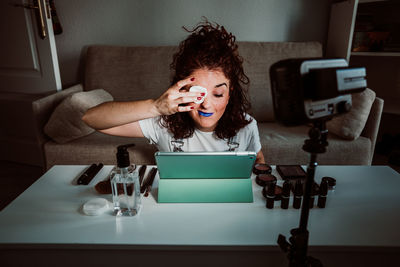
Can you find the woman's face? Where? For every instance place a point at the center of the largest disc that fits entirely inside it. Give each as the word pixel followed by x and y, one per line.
pixel 207 114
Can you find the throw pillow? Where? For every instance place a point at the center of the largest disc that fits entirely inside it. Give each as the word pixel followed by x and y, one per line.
pixel 65 124
pixel 350 125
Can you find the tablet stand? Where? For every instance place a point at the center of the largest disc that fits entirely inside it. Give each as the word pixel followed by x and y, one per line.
pixel 297 248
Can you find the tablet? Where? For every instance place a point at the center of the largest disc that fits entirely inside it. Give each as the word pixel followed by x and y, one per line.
pixel 205 165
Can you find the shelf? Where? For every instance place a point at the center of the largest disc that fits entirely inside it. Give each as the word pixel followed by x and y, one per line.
pixel 376 54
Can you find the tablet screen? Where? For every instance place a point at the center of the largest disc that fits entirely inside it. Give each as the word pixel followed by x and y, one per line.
pixel 186 165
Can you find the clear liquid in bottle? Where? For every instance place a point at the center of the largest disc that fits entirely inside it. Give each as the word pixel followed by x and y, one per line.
pixel 125 191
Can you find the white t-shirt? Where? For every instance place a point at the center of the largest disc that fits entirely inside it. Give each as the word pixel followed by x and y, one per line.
pixel 248 138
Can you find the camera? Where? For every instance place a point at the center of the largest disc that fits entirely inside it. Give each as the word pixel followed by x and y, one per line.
pixel 307 90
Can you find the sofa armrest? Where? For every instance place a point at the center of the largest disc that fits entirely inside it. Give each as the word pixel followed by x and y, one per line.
pixel 372 125
pixel 44 107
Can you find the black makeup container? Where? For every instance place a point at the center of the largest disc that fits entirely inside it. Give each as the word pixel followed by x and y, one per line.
pixel 331 182
pixel 261 168
pixel 277 191
pixel 264 179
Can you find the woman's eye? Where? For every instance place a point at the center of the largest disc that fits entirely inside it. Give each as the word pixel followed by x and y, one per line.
pixel 217 95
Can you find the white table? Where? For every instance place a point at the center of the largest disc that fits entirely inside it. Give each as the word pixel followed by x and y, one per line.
pixel 46 225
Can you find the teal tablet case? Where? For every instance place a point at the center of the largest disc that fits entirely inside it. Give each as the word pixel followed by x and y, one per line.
pixel 205 177
pixel 203 165
pixel 204 190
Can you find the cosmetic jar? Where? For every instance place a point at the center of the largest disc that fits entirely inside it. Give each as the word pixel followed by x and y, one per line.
pixel 278 192
pixel 96 206
pixel 263 179
pixel 331 182
pixel 261 168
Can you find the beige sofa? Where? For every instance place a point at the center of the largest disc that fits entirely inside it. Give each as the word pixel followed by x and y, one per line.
pixel 133 73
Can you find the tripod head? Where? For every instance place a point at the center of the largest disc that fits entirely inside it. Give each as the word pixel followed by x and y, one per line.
pixel 318 138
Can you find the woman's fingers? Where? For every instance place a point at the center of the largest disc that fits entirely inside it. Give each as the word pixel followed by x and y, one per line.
pixel 177 99
pixel 182 83
pixel 177 90
pixel 185 108
pixel 188 99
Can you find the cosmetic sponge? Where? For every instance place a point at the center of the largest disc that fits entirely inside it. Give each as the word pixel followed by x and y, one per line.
pixel 96 206
pixel 197 88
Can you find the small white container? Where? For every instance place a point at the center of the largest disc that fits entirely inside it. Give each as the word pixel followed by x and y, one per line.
pixel 96 206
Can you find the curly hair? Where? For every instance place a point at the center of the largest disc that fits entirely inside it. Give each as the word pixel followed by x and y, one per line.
pixel 210 46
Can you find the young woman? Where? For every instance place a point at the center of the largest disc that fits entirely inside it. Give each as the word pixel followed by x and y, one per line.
pixel 174 122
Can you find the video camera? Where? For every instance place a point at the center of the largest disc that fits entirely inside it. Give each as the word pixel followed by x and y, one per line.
pixel 306 90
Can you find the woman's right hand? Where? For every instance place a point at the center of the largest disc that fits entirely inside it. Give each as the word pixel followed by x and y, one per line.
pixel 176 100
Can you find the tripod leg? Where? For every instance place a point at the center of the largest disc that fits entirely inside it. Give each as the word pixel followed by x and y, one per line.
pixel 298 253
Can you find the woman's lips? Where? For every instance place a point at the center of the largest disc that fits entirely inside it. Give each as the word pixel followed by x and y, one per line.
pixel 205 114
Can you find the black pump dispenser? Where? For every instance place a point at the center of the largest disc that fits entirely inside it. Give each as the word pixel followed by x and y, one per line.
pixel 123 160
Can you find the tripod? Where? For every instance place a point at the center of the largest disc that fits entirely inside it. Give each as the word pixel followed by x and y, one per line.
pixel 297 248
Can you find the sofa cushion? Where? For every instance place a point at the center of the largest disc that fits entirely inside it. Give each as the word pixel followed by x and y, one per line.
pixel 350 125
pixel 65 124
pixel 98 147
pixel 44 107
pixel 283 145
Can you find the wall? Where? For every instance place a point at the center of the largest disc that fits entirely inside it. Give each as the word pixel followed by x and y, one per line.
pixel 159 22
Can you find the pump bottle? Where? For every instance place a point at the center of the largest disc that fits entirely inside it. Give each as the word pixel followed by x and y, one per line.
pixel 125 185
